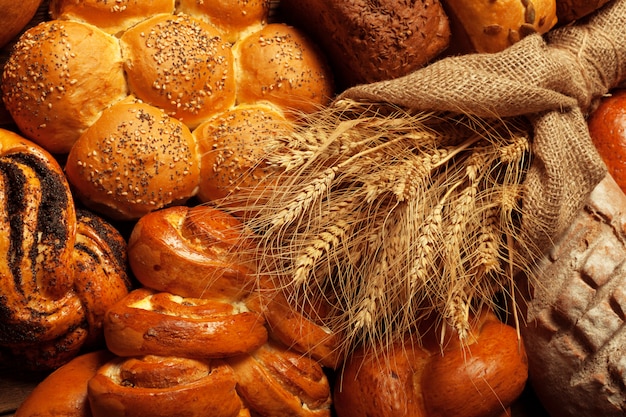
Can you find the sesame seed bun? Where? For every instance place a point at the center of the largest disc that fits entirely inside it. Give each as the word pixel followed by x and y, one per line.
pixel 112 17
pixel 55 86
pixel 133 160
pixel 280 65
pixel 232 146
pixel 231 17
pixel 181 65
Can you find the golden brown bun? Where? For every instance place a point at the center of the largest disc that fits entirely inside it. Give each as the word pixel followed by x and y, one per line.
pixel 163 387
pixel 232 146
pixel 568 11
pixel 280 65
pixel 112 17
pixel 59 78
pixel 491 26
pixel 148 322
pixel 52 303
pixel 278 382
pixel 15 17
pixel 180 64
pixel 607 127
pixel 63 393
pixel 192 252
pixel 372 41
pixel 232 18
pixel 481 378
pixel 132 160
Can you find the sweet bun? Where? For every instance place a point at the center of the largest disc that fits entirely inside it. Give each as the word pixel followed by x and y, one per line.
pixel 179 64
pixel 162 387
pixel 15 17
pixel 278 382
pixel 607 128
pixel 132 160
pixel 232 147
pixel 436 377
pixel 112 17
pixel 492 26
pixel 369 41
pixel 280 65
pixel 148 322
pixel 63 393
pixel 55 86
pixel 192 252
pixel 233 18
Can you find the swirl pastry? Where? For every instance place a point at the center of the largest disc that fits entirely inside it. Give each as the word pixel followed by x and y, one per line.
pixel 158 323
pixel 59 269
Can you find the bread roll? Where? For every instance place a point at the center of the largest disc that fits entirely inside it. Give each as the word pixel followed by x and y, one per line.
pixel 192 252
pixel 134 159
pixel 163 387
pixel 233 146
pixel 59 269
pixel 15 17
pixel 233 18
pixel 372 41
pixel 568 11
pixel 112 17
pixel 147 322
pixel 63 393
pixel 275 381
pixel 434 377
pixel 607 128
pixel 180 64
pixel 280 65
pixel 491 26
pixel 59 78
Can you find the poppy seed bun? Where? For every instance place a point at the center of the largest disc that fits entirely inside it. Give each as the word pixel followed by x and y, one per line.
pixel 132 160
pixel 112 17
pixel 54 84
pixel 181 65
pixel 231 17
pixel 280 65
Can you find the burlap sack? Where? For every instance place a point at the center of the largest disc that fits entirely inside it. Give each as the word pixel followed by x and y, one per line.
pixel 552 80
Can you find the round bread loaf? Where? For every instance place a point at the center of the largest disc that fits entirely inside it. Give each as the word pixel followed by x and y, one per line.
pixel 112 17
pixel 372 41
pixel 491 26
pixel 575 329
pixel 568 11
pixel 134 159
pixel 280 65
pixel 55 85
pixel 179 64
pixel 607 128
pixel 233 146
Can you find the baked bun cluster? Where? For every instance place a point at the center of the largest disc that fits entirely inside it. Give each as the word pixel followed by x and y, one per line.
pixel 62 267
pixel 121 87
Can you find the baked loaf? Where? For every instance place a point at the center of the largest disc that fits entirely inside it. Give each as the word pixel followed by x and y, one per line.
pixel 132 160
pixel 61 267
pixel 575 332
pixel 491 26
pixel 480 378
pixel 568 11
pixel 372 41
pixel 164 387
pixel 15 17
pixel 55 86
pixel 607 128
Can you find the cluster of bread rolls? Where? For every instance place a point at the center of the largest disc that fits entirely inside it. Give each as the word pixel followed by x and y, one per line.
pixel 121 90
pixel 62 267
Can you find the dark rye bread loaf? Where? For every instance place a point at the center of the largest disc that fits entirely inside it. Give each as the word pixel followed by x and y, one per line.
pixel 372 41
pixel 576 331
